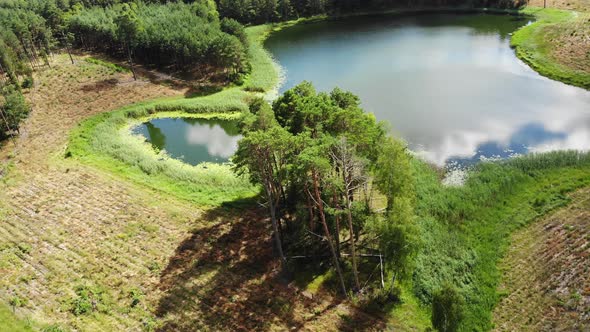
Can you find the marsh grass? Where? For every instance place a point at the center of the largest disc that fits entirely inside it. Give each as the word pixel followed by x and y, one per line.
pixel 466 229
pixel 107 142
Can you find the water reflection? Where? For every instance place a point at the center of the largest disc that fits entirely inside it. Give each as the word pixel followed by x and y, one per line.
pixel 192 140
pixel 448 84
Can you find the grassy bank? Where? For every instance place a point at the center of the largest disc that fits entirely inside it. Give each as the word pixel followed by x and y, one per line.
pixel 537 45
pixel 104 140
pixel 466 229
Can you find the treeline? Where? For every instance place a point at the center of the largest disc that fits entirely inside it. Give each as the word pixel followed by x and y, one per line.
pixel 25 44
pixel 259 11
pixel 13 109
pixel 338 189
pixel 188 37
pixel 25 41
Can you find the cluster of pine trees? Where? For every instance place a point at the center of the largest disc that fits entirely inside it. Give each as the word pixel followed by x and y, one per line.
pixel 188 37
pixel 323 165
pixel 259 11
pixel 25 41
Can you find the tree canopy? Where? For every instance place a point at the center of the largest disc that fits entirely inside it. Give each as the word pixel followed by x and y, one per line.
pixel 316 155
pixel 189 37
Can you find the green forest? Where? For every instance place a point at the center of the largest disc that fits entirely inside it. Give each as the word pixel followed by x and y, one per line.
pixel 322 217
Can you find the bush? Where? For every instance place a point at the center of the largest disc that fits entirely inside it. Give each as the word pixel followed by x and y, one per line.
pixel 27 82
pixel 447 309
pixel 89 299
pixel 53 328
pixel 234 28
pixel 13 111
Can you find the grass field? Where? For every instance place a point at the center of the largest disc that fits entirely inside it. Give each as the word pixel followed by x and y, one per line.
pixel 8 322
pixel 546 279
pixel 557 45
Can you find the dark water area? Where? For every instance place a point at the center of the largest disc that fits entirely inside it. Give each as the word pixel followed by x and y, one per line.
pixel 192 140
pixel 450 85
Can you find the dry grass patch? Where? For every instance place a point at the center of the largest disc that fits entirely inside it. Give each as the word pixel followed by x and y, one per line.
pixel 571 42
pixel 581 5
pixel 547 273
pixel 64 95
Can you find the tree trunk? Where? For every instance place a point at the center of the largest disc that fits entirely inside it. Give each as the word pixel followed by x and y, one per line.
pixel 5 120
pixel 320 204
pixel 131 62
pixel 310 210
pixel 352 245
pixel 67 47
pixel 337 225
pixel 275 226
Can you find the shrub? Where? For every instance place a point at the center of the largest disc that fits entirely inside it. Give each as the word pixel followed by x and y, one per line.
pixel 27 82
pixel 447 309
pixel 89 299
pixel 14 110
pixel 53 328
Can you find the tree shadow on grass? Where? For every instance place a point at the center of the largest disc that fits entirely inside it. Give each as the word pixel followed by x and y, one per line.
pixel 102 85
pixel 224 277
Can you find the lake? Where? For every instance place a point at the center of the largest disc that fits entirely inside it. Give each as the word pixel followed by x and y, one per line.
pixel 450 85
pixel 192 140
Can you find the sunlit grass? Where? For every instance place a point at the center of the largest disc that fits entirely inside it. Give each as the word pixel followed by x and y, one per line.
pixel 465 230
pixel 534 47
pixel 9 322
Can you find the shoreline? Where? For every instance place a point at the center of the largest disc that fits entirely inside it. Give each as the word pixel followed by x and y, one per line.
pixel 266 76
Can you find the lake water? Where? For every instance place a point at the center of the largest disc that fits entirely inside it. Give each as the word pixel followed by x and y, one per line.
pixel 192 140
pixel 450 85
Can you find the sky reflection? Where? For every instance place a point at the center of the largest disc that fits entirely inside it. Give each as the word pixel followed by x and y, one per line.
pixel 192 140
pixel 450 85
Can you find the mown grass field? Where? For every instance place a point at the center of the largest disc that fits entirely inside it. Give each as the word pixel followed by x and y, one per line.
pixel 546 279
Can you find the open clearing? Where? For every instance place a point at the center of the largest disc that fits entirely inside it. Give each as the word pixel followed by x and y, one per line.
pixel 147 259
pixel 547 273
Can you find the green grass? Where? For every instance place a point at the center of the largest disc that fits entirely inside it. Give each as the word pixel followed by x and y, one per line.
pixel 104 140
pixel 533 47
pixel 113 67
pixel 467 229
pixel 9 322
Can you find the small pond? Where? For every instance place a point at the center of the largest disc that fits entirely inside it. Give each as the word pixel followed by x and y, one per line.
pixel 450 85
pixel 192 140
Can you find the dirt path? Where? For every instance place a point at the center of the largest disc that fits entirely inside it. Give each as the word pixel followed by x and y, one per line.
pixel 547 273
